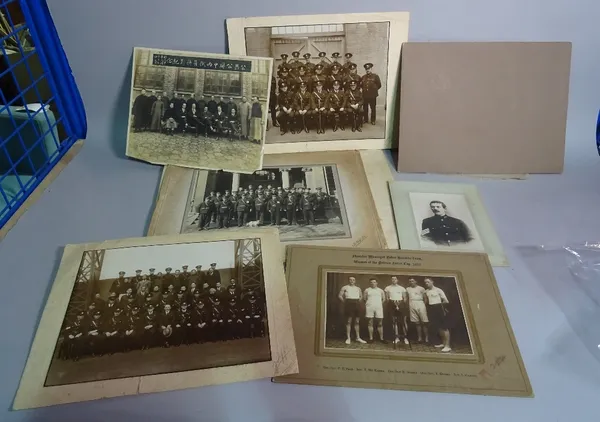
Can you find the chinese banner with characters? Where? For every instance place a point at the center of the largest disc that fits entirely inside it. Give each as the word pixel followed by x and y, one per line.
pixel 202 63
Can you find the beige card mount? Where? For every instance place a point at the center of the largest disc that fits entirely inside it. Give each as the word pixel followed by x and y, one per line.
pixel 483 107
pixel 90 343
pixel 369 38
pixel 458 337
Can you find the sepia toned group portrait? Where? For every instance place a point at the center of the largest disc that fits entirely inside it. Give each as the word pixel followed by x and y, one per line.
pixel 329 80
pixel 126 318
pixel 198 110
pixel 303 202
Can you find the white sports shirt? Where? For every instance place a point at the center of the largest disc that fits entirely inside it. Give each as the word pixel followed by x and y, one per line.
pixel 351 292
pixel 435 295
pixel 415 293
pixel 395 292
pixel 374 296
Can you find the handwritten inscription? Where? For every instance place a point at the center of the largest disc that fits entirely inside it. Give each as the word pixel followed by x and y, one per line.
pixel 492 369
pixel 386 259
pixel 202 63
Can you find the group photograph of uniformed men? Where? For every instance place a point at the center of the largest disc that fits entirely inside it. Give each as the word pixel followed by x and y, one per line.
pixel 395 313
pixel 198 111
pixel 158 320
pixel 445 221
pixel 329 81
pixel 302 202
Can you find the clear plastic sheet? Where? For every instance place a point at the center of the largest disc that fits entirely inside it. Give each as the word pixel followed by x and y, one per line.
pixel 571 275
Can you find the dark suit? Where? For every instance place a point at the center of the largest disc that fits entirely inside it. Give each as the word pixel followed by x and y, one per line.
pixel 445 230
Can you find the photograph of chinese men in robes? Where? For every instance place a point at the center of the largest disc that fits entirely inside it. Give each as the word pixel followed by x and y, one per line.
pixel 124 321
pixel 329 81
pixel 302 202
pixel 210 114
pixel 394 313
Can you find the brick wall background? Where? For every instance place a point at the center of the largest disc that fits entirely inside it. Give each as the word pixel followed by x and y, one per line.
pixel 258 42
pixel 368 42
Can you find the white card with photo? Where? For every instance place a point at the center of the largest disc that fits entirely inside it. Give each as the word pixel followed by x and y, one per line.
pixel 444 217
pixel 335 77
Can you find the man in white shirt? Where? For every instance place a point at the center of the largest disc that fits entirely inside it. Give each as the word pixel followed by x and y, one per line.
pixel 397 298
pixel 374 298
pixel 417 309
pixel 350 295
pixel 436 309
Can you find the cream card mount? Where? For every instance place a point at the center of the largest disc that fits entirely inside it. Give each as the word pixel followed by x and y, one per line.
pixel 99 337
pixel 444 217
pixel 369 38
pixel 402 320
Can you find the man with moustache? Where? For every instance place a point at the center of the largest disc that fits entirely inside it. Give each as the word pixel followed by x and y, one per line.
pixel 443 229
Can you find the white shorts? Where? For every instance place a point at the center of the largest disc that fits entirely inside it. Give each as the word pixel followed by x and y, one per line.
pixel 374 310
pixel 418 312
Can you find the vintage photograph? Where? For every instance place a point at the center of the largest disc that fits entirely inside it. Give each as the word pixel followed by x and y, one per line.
pixel 162 309
pixel 198 110
pixel 395 313
pixel 314 197
pixel 445 217
pixel 445 221
pixel 402 320
pixel 333 77
pixel 302 202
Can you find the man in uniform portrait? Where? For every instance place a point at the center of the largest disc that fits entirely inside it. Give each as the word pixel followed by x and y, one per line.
pixel 350 296
pixel 310 67
pixel 302 108
pixel 294 63
pixel 319 102
pixel 324 63
pixel 443 229
pixel 348 64
pixel 371 84
pixel 354 105
pixel 282 65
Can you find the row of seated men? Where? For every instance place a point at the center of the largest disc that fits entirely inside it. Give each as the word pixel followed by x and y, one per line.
pixel 268 205
pixel 202 121
pixel 304 110
pixel 144 106
pixel 122 328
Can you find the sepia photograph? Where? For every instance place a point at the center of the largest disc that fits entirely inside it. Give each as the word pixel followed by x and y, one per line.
pixel 313 197
pixel 444 217
pixel 302 202
pixel 198 110
pixel 395 314
pixel 161 309
pixel 143 315
pixel 445 221
pixel 401 320
pixel 332 74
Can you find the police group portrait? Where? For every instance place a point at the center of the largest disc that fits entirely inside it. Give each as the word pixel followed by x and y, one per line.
pixel 267 206
pixel 328 95
pixel 208 116
pixel 422 304
pixel 167 309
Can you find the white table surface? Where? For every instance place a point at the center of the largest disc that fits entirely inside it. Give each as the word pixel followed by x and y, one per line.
pixel 102 195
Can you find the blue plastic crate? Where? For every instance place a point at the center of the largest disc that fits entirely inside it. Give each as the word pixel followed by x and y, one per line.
pixel 41 111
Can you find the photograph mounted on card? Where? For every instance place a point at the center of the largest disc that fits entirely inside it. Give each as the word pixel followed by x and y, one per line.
pixel 444 217
pixel 404 320
pixel 334 80
pixel 135 316
pixel 198 110
pixel 317 198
